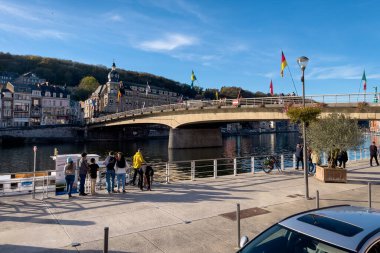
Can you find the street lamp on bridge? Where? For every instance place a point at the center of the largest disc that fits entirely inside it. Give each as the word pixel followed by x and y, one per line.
pixel 302 62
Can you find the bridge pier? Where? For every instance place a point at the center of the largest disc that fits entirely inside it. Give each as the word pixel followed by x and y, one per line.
pixel 195 138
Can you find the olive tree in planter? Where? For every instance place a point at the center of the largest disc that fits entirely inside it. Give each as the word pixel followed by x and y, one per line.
pixel 336 131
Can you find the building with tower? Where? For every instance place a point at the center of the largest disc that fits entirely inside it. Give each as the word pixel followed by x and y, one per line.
pixel 118 96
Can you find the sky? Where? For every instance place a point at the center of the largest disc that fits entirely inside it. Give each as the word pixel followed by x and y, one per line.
pixel 225 42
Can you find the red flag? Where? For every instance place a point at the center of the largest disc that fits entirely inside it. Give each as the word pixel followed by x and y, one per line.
pixel 271 88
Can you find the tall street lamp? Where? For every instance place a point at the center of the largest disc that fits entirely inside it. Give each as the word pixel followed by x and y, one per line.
pixel 302 62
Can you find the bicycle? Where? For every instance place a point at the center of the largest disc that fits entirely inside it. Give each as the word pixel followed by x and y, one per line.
pixel 269 163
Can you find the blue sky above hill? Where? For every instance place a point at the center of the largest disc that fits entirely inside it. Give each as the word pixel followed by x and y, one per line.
pixel 225 42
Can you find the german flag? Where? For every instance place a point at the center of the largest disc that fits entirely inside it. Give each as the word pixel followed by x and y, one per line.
pixel 283 64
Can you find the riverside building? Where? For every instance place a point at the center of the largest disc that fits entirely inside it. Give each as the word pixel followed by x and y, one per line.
pixel 117 96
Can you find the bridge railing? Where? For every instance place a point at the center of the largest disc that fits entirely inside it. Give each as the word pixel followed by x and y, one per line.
pixel 280 101
pixel 166 172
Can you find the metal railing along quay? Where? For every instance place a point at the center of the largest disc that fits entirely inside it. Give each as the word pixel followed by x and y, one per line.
pixel 278 101
pixel 166 172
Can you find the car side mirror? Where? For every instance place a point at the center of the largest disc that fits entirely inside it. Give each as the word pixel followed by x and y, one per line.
pixel 243 241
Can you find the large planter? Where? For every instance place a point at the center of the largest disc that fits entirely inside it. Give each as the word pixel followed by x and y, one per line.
pixel 328 175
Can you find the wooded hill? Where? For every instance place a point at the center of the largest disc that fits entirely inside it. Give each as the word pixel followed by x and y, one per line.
pixel 70 73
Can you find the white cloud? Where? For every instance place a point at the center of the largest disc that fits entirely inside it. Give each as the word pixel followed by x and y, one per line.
pixel 336 72
pixel 34 33
pixel 168 43
pixel 116 18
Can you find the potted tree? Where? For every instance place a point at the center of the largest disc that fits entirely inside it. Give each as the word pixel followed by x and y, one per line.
pixel 330 134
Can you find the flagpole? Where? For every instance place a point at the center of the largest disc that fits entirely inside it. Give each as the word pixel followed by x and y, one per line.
pixel 294 85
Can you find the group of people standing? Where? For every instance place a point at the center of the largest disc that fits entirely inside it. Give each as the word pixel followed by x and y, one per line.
pixel 337 157
pixel 117 168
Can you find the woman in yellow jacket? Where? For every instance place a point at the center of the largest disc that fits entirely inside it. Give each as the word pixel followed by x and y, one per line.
pixel 138 160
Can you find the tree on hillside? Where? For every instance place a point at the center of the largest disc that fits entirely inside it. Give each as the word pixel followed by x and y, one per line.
pixel 86 86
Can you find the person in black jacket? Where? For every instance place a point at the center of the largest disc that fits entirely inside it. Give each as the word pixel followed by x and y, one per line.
pixel 373 153
pixel 342 158
pixel 299 155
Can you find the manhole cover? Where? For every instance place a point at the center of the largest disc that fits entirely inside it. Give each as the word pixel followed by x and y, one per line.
pixel 246 213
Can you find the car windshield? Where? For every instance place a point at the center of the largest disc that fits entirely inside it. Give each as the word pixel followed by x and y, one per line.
pixel 281 239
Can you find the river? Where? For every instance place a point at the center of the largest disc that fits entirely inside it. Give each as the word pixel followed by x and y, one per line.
pixel 19 158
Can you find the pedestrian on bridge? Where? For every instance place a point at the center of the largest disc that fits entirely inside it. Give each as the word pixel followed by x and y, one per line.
pixel 373 153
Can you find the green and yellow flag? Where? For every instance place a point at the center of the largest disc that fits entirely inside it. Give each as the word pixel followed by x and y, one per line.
pixel 193 78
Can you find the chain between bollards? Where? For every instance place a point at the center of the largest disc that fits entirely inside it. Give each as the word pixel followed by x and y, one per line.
pixel 369 195
pixel 238 223
pixel 105 249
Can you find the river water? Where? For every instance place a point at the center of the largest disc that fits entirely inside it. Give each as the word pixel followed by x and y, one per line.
pixel 20 158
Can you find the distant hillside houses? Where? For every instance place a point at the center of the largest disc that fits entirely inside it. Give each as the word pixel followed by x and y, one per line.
pixel 28 100
pixel 117 96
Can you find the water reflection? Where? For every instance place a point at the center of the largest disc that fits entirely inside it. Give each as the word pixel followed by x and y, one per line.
pixel 20 158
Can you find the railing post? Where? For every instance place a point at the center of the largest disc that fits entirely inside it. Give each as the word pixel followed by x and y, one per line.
pixel 167 173
pixel 238 223
pixel 215 168
pixel 105 246
pixel 253 165
pixel 317 199
pixel 369 195
pixel 192 170
pixel 282 163
pixel 294 160
pixel 235 167
pixel 47 185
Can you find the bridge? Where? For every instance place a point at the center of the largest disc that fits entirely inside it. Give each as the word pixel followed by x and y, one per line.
pixel 195 123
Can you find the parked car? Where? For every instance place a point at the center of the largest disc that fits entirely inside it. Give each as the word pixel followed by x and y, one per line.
pixel 333 229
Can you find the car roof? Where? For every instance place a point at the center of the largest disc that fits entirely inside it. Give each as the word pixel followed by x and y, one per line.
pixel 368 219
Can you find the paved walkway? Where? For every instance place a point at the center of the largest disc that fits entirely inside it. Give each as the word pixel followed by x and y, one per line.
pixel 180 217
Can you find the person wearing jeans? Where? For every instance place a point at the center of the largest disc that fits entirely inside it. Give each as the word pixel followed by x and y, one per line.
pixel 69 175
pixel 110 173
pixel 120 170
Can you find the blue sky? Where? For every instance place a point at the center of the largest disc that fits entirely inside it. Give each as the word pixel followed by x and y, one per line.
pixel 226 43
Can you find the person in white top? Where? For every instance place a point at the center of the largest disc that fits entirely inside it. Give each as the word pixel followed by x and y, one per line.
pixel 121 167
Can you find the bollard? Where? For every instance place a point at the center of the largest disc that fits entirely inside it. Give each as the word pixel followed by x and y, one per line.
pixel 369 195
pixel 253 165
pixel 105 249
pixel 215 168
pixel 238 223
pixel 282 163
pixel 192 170
pixel 294 160
pixel 317 199
pixel 235 167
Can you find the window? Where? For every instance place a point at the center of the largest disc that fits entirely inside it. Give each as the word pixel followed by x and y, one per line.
pixel 330 224
pixel 281 239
